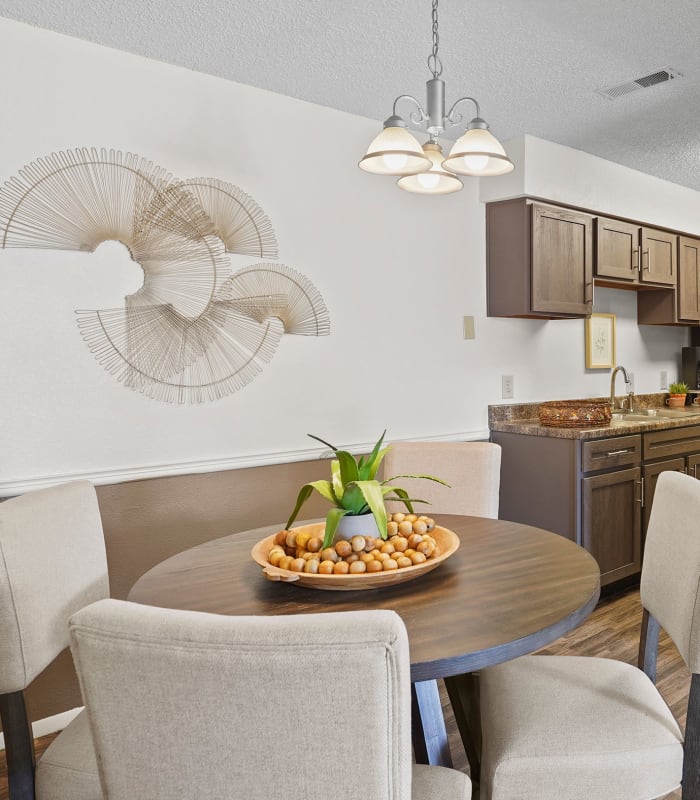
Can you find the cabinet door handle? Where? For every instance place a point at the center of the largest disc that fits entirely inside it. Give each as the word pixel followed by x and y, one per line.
pixel 637 256
pixel 648 266
pixel 617 452
pixel 695 470
pixel 640 499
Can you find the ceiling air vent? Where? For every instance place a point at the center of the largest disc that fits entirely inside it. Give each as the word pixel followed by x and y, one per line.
pixel 660 76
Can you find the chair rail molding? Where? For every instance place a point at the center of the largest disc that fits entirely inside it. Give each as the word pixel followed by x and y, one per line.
pixel 14 486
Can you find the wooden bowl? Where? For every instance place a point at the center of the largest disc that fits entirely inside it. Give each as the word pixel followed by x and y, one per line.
pixel 447 543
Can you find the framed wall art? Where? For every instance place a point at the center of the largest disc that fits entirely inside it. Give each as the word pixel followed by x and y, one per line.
pixel 600 341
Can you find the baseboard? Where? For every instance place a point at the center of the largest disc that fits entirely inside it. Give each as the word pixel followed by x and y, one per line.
pixel 42 727
pixel 10 488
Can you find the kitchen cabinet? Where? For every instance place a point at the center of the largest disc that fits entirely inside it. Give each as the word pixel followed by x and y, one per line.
pixel 677 449
pixel 650 475
pixel 539 260
pixel 680 305
pixel 611 522
pixel 633 255
pixel 588 491
pixel 596 492
pixel 611 505
pixel 688 280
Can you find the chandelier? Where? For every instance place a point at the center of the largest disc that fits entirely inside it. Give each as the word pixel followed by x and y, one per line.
pixel 425 169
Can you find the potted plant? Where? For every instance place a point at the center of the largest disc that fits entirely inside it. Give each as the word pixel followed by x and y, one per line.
pixel 676 395
pixel 354 490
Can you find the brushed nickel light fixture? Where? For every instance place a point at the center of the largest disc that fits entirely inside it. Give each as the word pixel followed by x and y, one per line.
pixel 395 151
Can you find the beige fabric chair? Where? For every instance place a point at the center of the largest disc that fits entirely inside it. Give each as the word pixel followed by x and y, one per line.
pixel 578 728
pixel 473 470
pixel 187 705
pixel 52 563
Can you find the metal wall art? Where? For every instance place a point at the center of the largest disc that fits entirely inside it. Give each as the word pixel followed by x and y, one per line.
pixel 194 331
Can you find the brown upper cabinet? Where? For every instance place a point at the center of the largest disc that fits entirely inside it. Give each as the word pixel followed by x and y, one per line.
pixel 681 305
pixel 539 260
pixel 632 255
pixel 688 280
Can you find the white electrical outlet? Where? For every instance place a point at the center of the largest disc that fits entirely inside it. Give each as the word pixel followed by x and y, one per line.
pixel 630 375
pixel 663 379
pixel 507 387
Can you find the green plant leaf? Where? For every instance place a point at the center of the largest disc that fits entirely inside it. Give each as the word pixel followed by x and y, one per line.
pixel 426 477
pixel 353 499
pixel 401 494
pixel 324 488
pixel 302 497
pixel 348 467
pixel 323 441
pixel 372 492
pixel 374 460
pixel 332 520
pixel 338 488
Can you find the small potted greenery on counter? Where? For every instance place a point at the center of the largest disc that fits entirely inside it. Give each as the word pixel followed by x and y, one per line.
pixel 676 395
pixel 354 490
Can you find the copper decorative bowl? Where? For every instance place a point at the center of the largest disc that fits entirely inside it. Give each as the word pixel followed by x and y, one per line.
pixel 575 414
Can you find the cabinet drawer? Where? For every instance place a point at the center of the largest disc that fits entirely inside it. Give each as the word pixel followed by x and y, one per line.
pixel 622 451
pixel 675 442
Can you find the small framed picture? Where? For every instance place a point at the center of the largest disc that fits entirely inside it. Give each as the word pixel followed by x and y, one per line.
pixel 600 341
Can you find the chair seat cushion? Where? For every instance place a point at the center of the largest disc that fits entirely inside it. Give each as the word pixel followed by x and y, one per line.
pixel 439 783
pixel 558 727
pixel 68 768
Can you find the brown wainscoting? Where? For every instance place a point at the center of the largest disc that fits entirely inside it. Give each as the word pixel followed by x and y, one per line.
pixel 149 520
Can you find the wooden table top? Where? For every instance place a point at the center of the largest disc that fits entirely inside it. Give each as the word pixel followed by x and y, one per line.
pixel 507 591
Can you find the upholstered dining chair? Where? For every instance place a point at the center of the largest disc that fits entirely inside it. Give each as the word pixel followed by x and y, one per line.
pixel 579 728
pixel 52 563
pixel 473 470
pixel 184 704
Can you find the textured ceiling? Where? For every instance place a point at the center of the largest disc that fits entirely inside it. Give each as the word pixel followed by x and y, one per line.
pixel 532 64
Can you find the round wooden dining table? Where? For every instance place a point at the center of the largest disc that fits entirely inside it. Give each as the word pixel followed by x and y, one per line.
pixel 508 590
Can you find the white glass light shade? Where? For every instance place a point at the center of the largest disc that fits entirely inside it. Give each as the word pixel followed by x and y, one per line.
pixel 436 180
pixel 395 152
pixel 478 152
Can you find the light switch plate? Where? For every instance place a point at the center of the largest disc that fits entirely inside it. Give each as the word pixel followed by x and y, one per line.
pixel 663 379
pixel 468 327
pixel 507 387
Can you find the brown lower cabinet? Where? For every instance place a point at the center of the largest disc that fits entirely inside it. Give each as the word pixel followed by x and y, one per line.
pixel 597 492
pixel 611 522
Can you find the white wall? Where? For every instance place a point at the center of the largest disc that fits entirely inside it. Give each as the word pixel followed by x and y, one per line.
pixel 397 271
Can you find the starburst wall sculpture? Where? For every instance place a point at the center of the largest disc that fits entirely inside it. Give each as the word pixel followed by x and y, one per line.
pixel 194 331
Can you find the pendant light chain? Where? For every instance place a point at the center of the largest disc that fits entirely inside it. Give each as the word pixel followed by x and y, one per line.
pixel 422 168
pixel 434 63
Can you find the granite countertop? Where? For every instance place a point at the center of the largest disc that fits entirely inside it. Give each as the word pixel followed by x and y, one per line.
pixel 523 418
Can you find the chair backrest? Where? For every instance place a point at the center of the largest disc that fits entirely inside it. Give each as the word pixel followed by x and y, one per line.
pixel 52 563
pixel 670 583
pixel 184 704
pixel 473 470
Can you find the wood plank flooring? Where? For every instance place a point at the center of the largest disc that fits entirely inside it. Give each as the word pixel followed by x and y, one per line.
pixel 612 631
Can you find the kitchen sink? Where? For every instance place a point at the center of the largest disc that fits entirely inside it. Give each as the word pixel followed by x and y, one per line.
pixel 660 414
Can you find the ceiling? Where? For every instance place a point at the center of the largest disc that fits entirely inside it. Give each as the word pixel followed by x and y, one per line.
pixel 534 65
